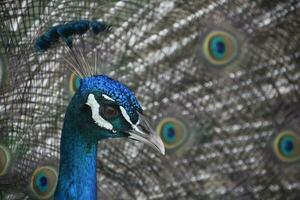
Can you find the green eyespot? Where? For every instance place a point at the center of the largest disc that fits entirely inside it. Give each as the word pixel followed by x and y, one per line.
pixel 5 159
pixel 173 132
pixel 287 146
pixel 220 48
pixel 43 182
pixel 74 83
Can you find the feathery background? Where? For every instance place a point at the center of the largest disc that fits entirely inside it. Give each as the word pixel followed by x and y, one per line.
pixel 231 116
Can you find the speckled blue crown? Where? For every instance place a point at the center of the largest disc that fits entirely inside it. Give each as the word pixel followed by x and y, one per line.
pixel 114 89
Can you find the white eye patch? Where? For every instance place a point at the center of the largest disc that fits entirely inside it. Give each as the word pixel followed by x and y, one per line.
pixel 92 102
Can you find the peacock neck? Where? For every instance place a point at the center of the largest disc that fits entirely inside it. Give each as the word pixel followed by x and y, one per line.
pixel 77 171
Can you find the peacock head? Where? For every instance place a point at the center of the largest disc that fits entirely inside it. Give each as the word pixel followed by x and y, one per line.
pixel 101 107
pixel 105 108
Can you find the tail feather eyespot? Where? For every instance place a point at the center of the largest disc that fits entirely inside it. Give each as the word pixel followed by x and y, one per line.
pixel 43 182
pixel 220 48
pixel 287 146
pixel 173 132
pixel 74 83
pixel 5 159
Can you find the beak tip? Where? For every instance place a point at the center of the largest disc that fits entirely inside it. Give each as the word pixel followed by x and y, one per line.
pixel 162 149
pixel 147 135
pixel 160 145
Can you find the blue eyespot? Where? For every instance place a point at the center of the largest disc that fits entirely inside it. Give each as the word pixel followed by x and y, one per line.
pixel 169 133
pixel 217 48
pixel 173 133
pixel 220 48
pixel 43 182
pixel 287 146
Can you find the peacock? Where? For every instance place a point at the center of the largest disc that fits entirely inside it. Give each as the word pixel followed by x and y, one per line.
pixel 218 80
pixel 101 108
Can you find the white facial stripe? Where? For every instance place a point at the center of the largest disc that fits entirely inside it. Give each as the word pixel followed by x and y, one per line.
pixel 127 118
pixel 125 115
pixel 137 123
pixel 95 113
pixel 107 97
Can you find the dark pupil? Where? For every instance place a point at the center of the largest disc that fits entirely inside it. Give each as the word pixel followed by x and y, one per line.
pixel 220 47
pixel 43 181
pixel 289 146
pixel 171 132
pixel 110 111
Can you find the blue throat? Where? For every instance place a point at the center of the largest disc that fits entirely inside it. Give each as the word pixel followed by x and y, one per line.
pixel 77 178
pixel 77 171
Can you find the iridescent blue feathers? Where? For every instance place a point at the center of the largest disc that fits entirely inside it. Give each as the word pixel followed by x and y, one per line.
pixel 67 31
pixel 98 27
pixel 81 27
pixel 114 89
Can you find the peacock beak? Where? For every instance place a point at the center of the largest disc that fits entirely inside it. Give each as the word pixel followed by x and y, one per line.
pixel 143 132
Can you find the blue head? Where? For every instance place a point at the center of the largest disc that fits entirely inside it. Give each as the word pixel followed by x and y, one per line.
pixel 102 107
pixel 105 108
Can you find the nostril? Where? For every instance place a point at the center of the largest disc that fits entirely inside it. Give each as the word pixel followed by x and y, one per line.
pixel 144 129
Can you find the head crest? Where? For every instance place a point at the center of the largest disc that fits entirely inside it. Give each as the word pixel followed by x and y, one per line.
pixel 71 34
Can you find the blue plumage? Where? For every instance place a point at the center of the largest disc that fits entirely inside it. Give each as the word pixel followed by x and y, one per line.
pixel 101 108
pixel 51 36
pixel 116 90
pixel 44 42
pixel 98 27
pixel 81 26
pixel 65 31
pixel 41 44
pixel 77 170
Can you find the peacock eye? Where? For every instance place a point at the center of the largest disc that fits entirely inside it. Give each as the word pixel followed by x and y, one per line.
pixel 109 111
